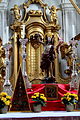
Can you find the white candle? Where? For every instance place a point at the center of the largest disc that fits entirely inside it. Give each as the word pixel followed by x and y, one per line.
pixel 73 31
pixel 7 34
pixel 4 39
pixel 22 31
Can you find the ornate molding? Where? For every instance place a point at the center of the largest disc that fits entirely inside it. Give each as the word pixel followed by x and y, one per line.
pixel 35 1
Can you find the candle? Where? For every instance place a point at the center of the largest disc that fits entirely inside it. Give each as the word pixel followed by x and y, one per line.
pixel 4 39
pixel 73 31
pixel 7 34
pixel 22 31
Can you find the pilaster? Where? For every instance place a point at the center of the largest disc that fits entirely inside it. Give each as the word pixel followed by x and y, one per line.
pixel 3 19
pixel 68 20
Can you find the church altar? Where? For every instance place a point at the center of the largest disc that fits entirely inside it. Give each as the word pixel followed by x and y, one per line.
pixel 34 37
pixel 51 105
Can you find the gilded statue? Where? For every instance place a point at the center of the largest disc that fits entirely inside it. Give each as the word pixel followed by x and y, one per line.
pixel 66 53
pixel 1 59
pixel 16 12
pixel 66 50
pixel 53 17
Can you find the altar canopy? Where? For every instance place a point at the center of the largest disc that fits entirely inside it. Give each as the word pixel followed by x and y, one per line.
pixel 54 105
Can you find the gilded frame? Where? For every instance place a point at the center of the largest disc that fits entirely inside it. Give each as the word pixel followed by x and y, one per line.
pixel 51 92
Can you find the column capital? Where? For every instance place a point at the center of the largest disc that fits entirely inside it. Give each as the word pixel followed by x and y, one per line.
pixel 67 1
pixel 67 6
pixel 3 5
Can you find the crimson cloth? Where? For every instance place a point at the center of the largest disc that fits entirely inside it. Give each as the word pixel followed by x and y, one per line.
pixel 54 105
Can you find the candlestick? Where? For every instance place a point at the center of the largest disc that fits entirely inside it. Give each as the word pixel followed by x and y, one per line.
pixel 74 76
pixel 7 85
pixel 23 44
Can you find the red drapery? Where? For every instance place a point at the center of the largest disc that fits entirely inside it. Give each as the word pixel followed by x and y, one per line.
pixel 54 105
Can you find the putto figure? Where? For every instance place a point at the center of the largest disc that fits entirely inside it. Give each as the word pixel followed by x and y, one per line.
pixel 53 17
pixel 16 12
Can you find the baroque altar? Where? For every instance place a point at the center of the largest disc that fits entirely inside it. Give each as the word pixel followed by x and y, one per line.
pixel 35 34
pixel 39 30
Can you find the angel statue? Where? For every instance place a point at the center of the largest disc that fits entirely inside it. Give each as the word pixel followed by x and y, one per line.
pixel 16 12
pixel 53 17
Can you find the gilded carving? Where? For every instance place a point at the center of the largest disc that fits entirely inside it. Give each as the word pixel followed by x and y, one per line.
pixel 53 17
pixel 35 1
pixel 37 27
pixel 16 12
pixel 2 57
pixel 35 12
pixel 66 53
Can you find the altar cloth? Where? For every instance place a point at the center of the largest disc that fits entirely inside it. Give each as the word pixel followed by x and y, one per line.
pixel 53 105
pixel 40 114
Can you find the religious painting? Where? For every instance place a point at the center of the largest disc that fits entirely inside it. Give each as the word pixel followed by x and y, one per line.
pixel 51 92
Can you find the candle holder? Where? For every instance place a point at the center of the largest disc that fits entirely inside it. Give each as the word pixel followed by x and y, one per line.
pixel 74 76
pixel 24 55
pixel 7 87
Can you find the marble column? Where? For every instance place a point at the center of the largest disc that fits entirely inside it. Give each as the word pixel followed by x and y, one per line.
pixel 68 28
pixel 68 20
pixel 3 19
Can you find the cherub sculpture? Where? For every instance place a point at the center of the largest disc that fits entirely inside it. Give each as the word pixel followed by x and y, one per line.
pixel 53 17
pixel 16 12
